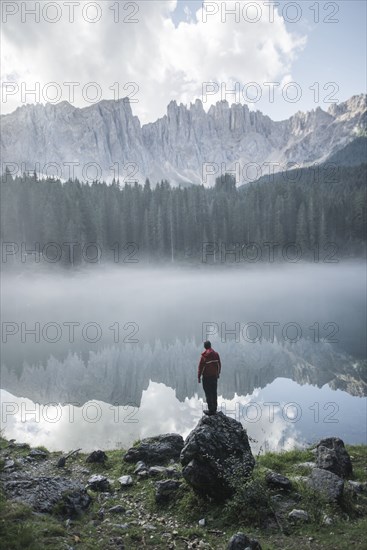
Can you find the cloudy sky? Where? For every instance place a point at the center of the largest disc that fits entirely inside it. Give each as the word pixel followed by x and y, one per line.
pixel 155 51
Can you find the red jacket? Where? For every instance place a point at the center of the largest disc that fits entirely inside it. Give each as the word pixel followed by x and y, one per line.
pixel 209 364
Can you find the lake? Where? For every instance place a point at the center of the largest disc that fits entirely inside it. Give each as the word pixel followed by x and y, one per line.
pixel 98 358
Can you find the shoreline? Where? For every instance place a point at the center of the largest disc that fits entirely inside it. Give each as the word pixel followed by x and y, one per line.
pixel 127 515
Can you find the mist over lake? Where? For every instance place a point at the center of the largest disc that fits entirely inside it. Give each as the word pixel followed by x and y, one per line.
pixel 183 290
pixel 107 355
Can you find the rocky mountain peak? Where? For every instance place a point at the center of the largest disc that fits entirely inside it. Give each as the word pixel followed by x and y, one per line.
pixel 353 106
pixel 179 145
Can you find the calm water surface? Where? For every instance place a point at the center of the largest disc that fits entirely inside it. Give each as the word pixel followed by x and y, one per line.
pixel 100 358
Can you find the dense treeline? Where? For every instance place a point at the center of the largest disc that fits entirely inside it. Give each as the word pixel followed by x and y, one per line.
pixel 352 154
pixel 309 207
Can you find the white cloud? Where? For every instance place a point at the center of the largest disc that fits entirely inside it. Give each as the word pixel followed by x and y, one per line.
pixel 166 61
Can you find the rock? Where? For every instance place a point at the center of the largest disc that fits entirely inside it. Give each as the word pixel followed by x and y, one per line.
pixel 98 457
pixel 123 526
pixel 157 470
pixel 118 509
pixel 327 520
pixel 327 483
pixel 332 456
pixel 117 542
pixel 99 483
pixel 306 465
pixel 140 467
pixel 302 479
pixel 149 527
pixel 225 133
pixel 156 450
pixel 299 515
pixel 284 505
pixel 38 454
pixel 214 451
pixel 44 493
pixel 13 445
pixel 278 481
pixel 171 471
pixel 201 522
pixel 164 490
pixel 240 541
pixel 9 464
pixel 356 486
pixel 126 481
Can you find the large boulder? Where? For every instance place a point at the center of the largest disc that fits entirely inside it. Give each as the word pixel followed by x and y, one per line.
pixel 215 451
pixel 49 494
pixel 327 483
pixel 156 450
pixel 331 455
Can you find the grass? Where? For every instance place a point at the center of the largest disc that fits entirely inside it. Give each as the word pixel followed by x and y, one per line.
pixel 284 462
pixel 42 448
pixel 21 528
pixel 358 454
pixel 313 503
pixel 248 511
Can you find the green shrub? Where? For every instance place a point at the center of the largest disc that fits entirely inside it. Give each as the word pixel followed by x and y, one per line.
pixel 313 502
pixel 250 503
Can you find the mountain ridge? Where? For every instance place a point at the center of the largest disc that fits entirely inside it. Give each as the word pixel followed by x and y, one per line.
pixel 187 145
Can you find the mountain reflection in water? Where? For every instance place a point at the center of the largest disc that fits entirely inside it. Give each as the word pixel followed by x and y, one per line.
pixel 285 393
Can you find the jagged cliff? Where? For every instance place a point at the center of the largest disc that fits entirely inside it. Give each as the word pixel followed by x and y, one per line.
pixel 176 146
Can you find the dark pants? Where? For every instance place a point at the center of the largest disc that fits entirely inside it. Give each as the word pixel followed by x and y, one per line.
pixel 210 388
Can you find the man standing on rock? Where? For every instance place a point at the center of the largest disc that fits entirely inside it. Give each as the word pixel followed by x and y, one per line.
pixel 209 368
